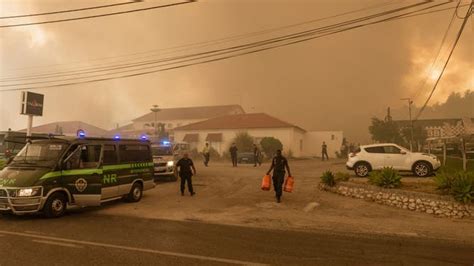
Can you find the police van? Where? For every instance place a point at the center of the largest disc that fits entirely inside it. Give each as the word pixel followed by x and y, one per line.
pixel 49 174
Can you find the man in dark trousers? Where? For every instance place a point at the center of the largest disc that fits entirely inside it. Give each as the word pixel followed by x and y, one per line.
pixel 279 165
pixel 256 155
pixel 324 151
pixel 233 154
pixel 185 169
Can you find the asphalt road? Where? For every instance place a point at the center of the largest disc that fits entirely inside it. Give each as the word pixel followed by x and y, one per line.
pixel 90 238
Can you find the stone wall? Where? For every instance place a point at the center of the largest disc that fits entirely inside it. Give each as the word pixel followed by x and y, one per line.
pixel 440 206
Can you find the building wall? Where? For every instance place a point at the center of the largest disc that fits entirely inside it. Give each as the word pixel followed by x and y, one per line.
pixel 169 124
pixel 314 139
pixel 290 138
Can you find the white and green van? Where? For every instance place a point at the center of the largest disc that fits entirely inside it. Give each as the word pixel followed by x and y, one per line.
pixel 49 174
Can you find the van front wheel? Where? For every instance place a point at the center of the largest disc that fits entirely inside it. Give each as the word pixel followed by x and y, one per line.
pixel 136 193
pixel 55 206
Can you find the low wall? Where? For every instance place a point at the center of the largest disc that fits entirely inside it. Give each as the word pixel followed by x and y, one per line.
pixel 440 206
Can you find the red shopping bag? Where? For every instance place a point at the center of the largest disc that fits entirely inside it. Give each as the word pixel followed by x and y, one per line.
pixel 266 182
pixel 289 184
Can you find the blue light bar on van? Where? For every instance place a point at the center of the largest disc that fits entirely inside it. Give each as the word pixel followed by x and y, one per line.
pixel 81 133
pixel 117 137
pixel 144 137
pixel 166 143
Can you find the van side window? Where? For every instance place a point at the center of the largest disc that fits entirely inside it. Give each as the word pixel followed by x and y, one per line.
pixel 90 156
pixel 110 154
pixel 134 153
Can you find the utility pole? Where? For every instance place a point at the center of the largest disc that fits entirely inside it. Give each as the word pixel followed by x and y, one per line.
pixel 155 109
pixel 410 103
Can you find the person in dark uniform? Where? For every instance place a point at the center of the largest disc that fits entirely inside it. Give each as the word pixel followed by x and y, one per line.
pixel 324 151
pixel 256 155
pixel 279 165
pixel 185 169
pixel 233 154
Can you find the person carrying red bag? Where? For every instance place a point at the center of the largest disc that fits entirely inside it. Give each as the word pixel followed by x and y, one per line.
pixel 279 165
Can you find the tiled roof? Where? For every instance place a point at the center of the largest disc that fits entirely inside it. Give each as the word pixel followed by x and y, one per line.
pixel 70 128
pixel 191 138
pixel 241 121
pixel 202 112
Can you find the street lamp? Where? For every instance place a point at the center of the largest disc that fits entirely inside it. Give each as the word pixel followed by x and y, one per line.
pixel 410 102
pixel 155 109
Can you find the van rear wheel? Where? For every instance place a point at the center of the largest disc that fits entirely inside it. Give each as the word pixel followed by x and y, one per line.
pixel 136 193
pixel 55 206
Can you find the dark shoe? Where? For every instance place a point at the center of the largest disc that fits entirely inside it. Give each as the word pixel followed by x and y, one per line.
pixel 278 200
pixel 193 193
pixel 182 193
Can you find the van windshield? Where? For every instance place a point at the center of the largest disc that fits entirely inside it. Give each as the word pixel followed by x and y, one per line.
pixel 161 150
pixel 37 153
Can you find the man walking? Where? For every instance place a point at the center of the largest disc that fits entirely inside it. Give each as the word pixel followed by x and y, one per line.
pixel 279 165
pixel 324 151
pixel 233 154
pixel 256 155
pixel 185 169
pixel 207 154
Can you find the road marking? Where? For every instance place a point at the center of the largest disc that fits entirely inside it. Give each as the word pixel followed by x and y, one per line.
pixel 57 243
pixel 144 250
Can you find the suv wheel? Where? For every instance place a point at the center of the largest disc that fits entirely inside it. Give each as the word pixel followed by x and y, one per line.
pixel 136 193
pixel 362 169
pixel 422 169
pixel 55 206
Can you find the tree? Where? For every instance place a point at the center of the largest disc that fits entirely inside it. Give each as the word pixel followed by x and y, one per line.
pixel 385 131
pixel 419 136
pixel 244 142
pixel 270 145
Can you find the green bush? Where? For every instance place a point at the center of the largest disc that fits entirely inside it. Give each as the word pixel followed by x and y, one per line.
pixel 2 164
pixel 462 187
pixel 340 176
pixel 444 179
pixel 244 142
pixel 387 178
pixel 328 179
pixel 270 145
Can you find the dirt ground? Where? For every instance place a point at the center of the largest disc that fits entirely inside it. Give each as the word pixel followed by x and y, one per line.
pixel 227 195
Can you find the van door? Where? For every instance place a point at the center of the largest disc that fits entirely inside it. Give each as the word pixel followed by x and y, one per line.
pixel 82 176
pixel 111 169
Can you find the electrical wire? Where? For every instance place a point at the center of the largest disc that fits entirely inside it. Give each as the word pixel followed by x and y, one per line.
pixel 69 10
pixel 468 14
pixel 213 59
pixel 438 53
pixel 225 39
pixel 98 16
pixel 237 48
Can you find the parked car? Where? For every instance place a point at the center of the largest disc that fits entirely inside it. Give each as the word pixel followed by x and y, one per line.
pixel 374 157
pixel 246 158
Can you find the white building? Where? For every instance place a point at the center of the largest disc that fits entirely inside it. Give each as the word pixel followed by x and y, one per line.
pixel 220 132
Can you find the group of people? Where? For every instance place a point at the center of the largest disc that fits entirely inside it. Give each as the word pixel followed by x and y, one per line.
pixel 185 169
pixel 233 151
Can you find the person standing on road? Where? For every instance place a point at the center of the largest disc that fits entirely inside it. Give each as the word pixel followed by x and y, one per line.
pixel 185 169
pixel 233 154
pixel 256 155
pixel 324 151
pixel 279 165
pixel 207 154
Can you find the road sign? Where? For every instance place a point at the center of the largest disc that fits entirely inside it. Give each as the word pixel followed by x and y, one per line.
pixel 32 103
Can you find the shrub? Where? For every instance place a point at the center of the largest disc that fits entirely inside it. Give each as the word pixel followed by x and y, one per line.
pixel 340 176
pixel 462 187
pixel 2 164
pixel 214 154
pixel 244 142
pixel 328 179
pixel 270 145
pixel 387 178
pixel 443 180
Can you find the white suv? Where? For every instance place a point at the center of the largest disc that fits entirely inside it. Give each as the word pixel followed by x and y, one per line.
pixel 375 157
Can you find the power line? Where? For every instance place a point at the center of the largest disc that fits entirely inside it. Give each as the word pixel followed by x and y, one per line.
pixel 228 38
pixel 233 48
pixel 468 13
pixel 187 63
pixel 438 52
pixel 98 16
pixel 69 10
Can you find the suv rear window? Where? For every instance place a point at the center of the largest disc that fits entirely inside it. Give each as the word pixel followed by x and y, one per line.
pixel 378 149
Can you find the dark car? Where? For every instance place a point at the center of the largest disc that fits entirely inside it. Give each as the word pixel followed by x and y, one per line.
pixel 246 158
